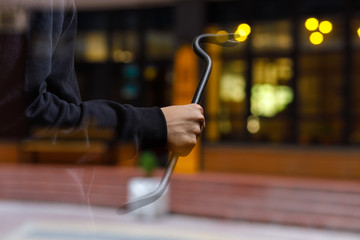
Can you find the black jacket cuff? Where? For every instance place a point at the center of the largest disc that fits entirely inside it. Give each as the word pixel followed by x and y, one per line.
pixel 152 127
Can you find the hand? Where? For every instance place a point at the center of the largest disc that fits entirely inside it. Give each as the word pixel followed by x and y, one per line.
pixel 184 125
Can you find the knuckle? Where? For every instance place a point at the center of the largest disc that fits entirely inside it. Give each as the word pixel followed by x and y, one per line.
pixel 200 116
pixel 197 131
pixel 193 141
pixel 198 107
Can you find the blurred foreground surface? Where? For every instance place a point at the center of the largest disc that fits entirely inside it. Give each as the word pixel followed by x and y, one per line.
pixel 305 202
pixel 29 220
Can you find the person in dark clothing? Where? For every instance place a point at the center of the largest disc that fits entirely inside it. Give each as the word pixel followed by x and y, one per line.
pixel 38 87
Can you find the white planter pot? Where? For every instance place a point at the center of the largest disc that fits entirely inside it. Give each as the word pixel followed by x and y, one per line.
pixel 138 187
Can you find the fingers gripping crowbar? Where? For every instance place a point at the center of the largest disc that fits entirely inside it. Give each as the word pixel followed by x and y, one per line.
pixel 228 41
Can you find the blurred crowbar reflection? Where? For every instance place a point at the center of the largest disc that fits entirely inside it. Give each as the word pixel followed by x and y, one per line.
pixel 225 40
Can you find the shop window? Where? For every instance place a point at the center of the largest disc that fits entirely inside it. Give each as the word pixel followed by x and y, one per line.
pixel 355 82
pixel 355 86
pixel 125 45
pixel 232 99
pixel 320 98
pixel 355 34
pixel 320 80
pixel 271 91
pixel 272 36
pixel 271 95
pixel 92 46
pixel 159 44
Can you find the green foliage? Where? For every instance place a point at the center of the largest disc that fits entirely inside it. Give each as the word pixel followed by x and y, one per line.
pixel 148 161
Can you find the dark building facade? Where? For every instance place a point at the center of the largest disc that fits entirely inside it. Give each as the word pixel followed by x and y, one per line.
pixel 278 86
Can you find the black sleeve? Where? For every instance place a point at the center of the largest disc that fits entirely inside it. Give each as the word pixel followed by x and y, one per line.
pixel 53 92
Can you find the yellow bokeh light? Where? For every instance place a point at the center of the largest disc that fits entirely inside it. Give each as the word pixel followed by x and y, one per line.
pixel 244 30
pixel 253 124
pixel 358 32
pixel 311 24
pixel 222 36
pixel 150 73
pixel 325 27
pixel 240 38
pixel 96 47
pixel 316 38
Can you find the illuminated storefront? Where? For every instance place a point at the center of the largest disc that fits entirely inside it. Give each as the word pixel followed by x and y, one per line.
pixel 293 78
pixel 285 102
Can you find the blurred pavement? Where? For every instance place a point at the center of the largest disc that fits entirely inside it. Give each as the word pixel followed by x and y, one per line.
pixel 50 221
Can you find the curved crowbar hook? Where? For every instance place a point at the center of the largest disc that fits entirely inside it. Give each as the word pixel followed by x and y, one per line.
pixel 204 38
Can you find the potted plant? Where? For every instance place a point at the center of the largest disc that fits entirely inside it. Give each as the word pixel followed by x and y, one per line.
pixel 140 186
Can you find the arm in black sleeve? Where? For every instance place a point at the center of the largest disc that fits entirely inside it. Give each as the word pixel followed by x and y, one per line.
pixel 53 92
